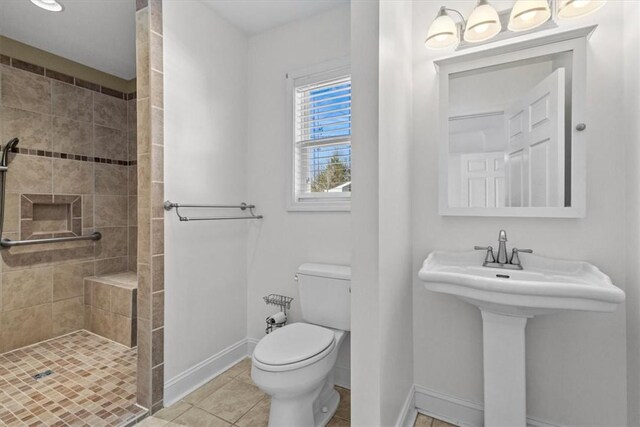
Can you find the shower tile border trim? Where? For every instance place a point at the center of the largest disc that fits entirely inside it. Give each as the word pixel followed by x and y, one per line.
pixel 65 78
pixel 69 156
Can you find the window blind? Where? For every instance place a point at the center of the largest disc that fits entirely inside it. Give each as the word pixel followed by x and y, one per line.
pixel 323 138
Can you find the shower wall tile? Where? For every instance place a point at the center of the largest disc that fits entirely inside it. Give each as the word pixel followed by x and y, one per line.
pixel 11 212
pixel 157 89
pixel 150 220
pixel 143 118
pixel 155 8
pixel 87 210
pixel 109 111
pixel 22 289
pixel 72 102
pixel 110 143
pixel 29 174
pixel 132 171
pixel 72 177
pixel 157 163
pixel 68 279
pixel 113 243
pixel 157 307
pixel 133 211
pixel 71 136
pixel 110 265
pixel 111 179
pixel 111 211
pixel 157 272
pixel 33 129
pixel 157 126
pixel 68 316
pixel 26 326
pixel 156 52
pixel 24 90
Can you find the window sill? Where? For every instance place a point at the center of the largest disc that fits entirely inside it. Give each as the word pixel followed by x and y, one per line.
pixel 319 206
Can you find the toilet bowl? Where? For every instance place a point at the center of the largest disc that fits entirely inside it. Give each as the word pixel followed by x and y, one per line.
pixel 294 364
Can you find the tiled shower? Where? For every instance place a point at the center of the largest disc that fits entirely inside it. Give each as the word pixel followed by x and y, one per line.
pixel 74 172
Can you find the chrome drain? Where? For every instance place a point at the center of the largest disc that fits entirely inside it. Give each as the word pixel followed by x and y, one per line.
pixel 42 375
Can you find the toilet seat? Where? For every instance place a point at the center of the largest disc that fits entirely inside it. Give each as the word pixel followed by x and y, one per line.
pixel 293 347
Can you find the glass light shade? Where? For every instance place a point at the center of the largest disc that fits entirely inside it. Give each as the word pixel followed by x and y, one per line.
pixel 443 32
pixel 528 14
pixel 483 24
pixel 50 5
pixel 568 9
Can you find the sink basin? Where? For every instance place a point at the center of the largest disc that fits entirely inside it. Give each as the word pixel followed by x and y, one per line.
pixel 544 286
pixel 507 299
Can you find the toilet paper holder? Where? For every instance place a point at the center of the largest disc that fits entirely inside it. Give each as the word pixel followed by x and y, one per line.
pixel 279 319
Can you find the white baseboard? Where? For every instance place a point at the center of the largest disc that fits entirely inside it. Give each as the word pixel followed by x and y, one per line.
pixel 407 417
pixel 458 411
pixel 179 386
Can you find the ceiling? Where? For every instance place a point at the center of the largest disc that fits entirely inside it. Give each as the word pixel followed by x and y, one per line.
pixel 96 33
pixel 256 16
pixel 101 33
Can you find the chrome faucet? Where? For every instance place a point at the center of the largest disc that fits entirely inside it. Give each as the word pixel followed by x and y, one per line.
pixel 502 261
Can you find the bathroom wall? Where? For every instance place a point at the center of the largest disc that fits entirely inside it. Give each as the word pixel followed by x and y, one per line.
pixel 382 372
pixel 632 135
pixel 73 142
pixel 576 362
pixel 283 240
pixel 205 162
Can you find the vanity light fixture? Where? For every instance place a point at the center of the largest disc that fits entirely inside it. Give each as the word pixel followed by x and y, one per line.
pixel 443 32
pixel 483 23
pixel 50 5
pixel 569 9
pixel 529 14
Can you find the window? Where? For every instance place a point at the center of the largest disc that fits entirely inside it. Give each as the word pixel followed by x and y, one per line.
pixel 322 141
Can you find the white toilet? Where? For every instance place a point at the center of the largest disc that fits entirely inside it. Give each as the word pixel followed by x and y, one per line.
pixel 294 364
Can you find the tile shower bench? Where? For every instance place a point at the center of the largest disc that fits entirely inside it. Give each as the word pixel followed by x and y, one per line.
pixel 110 306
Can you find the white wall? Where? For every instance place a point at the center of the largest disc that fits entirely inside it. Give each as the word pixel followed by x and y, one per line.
pixel 632 116
pixel 576 361
pixel 395 200
pixel 365 297
pixel 283 240
pixel 205 62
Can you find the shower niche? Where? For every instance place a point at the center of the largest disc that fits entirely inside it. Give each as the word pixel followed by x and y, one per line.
pixel 44 216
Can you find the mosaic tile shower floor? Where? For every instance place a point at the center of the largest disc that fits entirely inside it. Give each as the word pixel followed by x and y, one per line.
pixel 93 383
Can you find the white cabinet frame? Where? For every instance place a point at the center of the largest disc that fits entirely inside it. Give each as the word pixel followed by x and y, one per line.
pixel 530 46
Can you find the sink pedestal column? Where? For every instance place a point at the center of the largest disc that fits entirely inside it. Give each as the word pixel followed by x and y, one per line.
pixel 504 370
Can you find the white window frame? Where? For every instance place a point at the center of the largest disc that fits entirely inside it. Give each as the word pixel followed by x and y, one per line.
pixel 318 202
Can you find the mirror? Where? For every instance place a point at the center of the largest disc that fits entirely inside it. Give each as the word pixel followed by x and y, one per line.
pixel 508 134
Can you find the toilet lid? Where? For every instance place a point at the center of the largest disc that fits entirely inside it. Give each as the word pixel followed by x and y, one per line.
pixel 293 343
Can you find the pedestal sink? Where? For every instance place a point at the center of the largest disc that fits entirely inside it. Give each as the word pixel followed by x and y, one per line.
pixel 506 299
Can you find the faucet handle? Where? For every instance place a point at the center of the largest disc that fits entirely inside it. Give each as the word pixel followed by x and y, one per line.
pixel 515 259
pixel 489 257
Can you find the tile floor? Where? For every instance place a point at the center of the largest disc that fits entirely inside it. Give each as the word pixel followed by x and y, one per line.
pixel 93 383
pixel 231 399
pixel 425 421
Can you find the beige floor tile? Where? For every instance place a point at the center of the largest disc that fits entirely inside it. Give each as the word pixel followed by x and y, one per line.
pixel 173 411
pixel 232 401
pixel 338 422
pixel 423 421
pixel 258 416
pixel 239 368
pixel 245 376
pixel 439 423
pixel 196 417
pixel 152 422
pixel 207 389
pixel 344 408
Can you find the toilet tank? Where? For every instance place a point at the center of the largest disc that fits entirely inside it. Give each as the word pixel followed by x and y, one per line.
pixel 325 295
